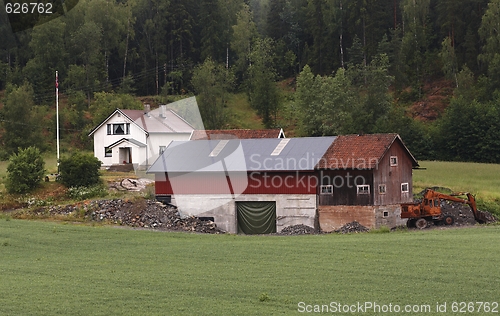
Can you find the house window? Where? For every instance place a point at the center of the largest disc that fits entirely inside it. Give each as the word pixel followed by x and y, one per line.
pixel 162 149
pixel 381 189
pixel 118 129
pixel 405 188
pixel 363 189
pixel 108 152
pixel 394 161
pixel 326 189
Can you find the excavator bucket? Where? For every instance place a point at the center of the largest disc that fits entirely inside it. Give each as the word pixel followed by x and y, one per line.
pixel 483 217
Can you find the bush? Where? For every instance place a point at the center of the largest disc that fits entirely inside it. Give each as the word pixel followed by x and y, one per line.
pixel 79 170
pixel 25 170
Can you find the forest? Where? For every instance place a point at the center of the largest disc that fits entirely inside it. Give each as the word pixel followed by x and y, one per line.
pixel 313 67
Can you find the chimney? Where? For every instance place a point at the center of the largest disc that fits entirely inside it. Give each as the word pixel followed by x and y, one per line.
pixel 163 111
pixel 147 108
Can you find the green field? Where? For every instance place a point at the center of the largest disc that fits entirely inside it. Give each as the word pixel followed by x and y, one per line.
pixel 477 178
pixel 55 269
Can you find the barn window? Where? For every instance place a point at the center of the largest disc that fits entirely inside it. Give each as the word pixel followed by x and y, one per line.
pixel 405 188
pixel 108 152
pixel 386 214
pixel 394 161
pixel 363 189
pixel 382 189
pixel 326 189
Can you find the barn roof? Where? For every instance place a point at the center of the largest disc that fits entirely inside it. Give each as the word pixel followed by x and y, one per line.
pixel 237 133
pixel 278 154
pixel 360 151
pixel 264 154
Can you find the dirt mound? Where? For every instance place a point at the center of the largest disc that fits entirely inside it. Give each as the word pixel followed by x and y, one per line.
pixel 299 229
pixel 352 227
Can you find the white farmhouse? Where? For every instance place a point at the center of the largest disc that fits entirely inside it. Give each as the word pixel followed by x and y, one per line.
pixel 137 137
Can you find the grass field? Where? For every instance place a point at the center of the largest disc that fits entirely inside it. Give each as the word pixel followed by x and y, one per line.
pixel 477 178
pixel 55 269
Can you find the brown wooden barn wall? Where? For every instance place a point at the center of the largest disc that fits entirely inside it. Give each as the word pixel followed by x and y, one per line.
pixel 345 186
pixel 393 177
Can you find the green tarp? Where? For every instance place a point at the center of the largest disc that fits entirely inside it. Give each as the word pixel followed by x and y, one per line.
pixel 256 217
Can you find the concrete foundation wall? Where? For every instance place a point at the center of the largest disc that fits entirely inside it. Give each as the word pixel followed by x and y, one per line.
pixel 291 209
pixel 333 217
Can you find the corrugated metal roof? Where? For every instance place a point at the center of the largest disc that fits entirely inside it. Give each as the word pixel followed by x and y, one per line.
pixel 242 155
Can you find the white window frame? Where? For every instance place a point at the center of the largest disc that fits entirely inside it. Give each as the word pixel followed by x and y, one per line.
pixel 407 187
pixel 394 161
pixel 384 214
pixel 326 189
pixel 108 152
pixel 111 128
pixel 363 189
pixel 380 191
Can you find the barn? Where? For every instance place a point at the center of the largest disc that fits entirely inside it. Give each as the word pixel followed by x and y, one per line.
pixel 256 186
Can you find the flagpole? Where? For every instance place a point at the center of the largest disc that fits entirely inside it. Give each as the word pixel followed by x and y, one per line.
pixel 57 119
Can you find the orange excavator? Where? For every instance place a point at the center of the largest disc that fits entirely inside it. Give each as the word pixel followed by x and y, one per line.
pixel 429 210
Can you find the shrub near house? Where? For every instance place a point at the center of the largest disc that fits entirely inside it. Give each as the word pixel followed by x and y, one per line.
pixel 25 170
pixel 80 170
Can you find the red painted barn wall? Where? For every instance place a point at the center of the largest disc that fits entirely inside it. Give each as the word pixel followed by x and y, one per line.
pixel 240 183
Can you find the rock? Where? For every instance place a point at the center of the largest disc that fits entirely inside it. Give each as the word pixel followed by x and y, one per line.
pixel 352 227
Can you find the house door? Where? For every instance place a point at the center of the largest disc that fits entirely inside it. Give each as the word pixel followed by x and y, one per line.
pixel 256 217
pixel 125 155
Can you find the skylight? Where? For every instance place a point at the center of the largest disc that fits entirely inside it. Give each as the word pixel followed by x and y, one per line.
pixel 216 151
pixel 280 146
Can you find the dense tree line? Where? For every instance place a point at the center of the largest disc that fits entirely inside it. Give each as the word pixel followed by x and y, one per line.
pixel 358 63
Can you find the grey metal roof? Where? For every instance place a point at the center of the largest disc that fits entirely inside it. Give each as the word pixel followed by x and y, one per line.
pixel 242 155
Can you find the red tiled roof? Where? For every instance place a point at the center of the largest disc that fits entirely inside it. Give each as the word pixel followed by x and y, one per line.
pixel 235 133
pixel 359 151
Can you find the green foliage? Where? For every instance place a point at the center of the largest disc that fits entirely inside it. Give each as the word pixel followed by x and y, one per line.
pixel 25 170
pixel 105 103
pixel 80 170
pixel 212 83
pixel 261 85
pixel 470 131
pixel 324 103
pixel 21 128
pixel 87 192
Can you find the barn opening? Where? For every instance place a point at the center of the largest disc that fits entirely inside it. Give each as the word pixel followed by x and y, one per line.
pixel 256 217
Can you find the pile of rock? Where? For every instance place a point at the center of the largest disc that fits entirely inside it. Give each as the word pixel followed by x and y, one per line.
pixel 352 227
pixel 299 229
pixel 138 213
pixel 462 213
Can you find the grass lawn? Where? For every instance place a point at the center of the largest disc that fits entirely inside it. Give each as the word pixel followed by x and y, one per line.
pixel 477 178
pixel 55 269
pixel 241 114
